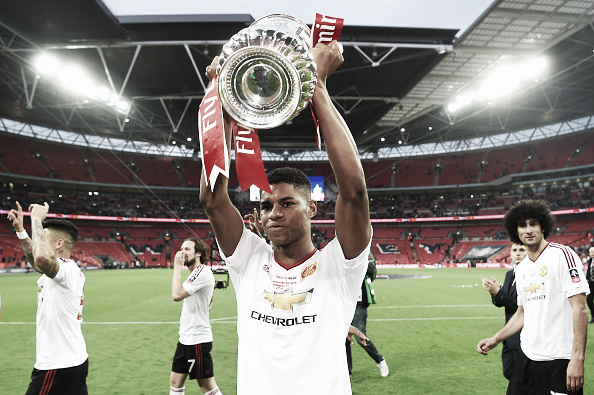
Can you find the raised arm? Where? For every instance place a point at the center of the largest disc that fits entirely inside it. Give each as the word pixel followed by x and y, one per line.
pixel 177 291
pixel 16 216
pixel 353 227
pixel 43 254
pixel 224 218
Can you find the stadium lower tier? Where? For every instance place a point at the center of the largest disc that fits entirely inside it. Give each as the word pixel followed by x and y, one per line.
pixel 118 244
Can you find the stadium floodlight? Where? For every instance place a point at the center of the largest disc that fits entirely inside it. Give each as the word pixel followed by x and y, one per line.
pixel 103 93
pixel 122 105
pixel 75 79
pixel 502 83
pixel 46 64
pixel 453 107
pixel 534 68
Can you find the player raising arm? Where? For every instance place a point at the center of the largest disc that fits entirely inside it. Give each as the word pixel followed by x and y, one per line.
pixel 62 364
pixel 295 303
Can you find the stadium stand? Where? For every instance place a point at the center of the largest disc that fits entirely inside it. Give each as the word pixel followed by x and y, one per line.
pixel 27 162
pixel 155 170
pixel 460 169
pixel 583 154
pixel 109 167
pixel 63 162
pixel 414 172
pixel 151 244
pixel 504 161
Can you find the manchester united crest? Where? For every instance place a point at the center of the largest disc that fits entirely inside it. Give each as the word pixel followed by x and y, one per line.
pixel 543 271
pixel 308 271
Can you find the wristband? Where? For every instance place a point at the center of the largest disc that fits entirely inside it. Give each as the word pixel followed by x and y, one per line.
pixel 22 235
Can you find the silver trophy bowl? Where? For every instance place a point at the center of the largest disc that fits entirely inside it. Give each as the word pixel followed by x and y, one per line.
pixel 267 75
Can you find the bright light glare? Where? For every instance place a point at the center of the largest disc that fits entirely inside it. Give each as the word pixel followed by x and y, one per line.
pixel 535 68
pixel 75 79
pixel 122 105
pixel 46 64
pixel 453 107
pixel 502 83
pixel 103 93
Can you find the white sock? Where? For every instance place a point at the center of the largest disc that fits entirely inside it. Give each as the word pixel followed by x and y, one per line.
pixel 177 391
pixel 214 391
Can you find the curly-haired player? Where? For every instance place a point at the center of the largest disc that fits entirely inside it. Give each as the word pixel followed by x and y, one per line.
pixel 552 311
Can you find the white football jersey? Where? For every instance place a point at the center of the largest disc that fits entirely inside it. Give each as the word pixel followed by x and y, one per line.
pixel 544 287
pixel 60 342
pixel 292 323
pixel 194 324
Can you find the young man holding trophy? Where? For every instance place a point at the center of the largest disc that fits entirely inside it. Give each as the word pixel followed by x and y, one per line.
pixel 295 302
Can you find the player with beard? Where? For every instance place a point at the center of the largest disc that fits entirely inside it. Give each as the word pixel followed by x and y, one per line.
pixel 552 311
pixel 295 303
pixel 192 356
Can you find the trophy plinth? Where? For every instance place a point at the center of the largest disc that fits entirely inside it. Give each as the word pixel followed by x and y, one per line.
pixel 267 75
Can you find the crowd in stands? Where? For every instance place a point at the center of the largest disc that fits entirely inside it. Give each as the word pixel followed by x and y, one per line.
pixel 92 170
pixel 149 205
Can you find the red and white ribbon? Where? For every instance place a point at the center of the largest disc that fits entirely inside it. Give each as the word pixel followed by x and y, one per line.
pixel 324 30
pixel 213 145
pixel 248 158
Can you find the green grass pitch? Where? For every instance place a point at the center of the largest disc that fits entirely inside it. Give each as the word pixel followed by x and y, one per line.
pixel 426 328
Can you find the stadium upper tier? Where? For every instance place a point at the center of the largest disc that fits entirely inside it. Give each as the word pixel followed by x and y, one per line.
pixel 47 160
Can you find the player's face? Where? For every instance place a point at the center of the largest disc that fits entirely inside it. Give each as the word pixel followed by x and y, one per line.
pixel 189 252
pixel 286 214
pixel 518 252
pixel 530 233
pixel 591 252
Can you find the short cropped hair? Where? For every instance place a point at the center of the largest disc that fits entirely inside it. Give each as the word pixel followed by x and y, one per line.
pixel 199 247
pixel 62 225
pixel 290 175
pixel 528 209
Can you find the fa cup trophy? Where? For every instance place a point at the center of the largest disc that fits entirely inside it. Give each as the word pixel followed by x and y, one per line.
pixel 266 73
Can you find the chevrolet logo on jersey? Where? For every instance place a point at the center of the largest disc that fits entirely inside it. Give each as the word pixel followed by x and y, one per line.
pixel 286 300
pixel 532 288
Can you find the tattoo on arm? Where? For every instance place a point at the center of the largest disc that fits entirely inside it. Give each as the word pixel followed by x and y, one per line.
pixel 27 245
pixel 42 252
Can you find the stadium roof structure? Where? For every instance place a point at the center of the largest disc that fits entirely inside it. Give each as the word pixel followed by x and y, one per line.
pixel 398 87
